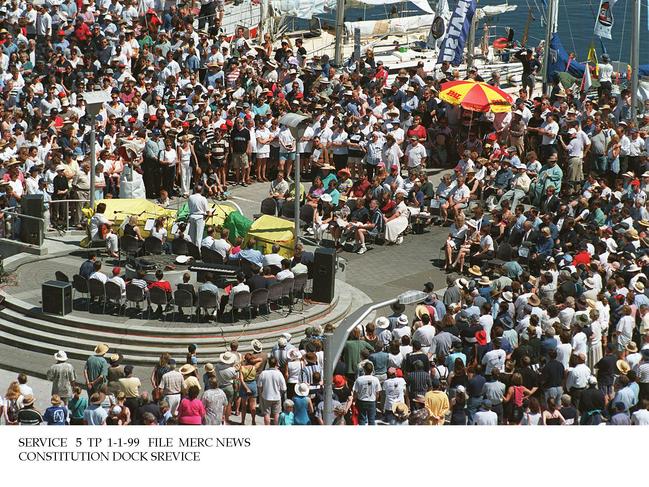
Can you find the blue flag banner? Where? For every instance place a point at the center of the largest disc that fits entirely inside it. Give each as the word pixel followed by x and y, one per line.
pixel 457 32
pixel 558 60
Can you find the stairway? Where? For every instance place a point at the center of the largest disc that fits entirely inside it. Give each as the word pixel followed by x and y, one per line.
pixel 140 343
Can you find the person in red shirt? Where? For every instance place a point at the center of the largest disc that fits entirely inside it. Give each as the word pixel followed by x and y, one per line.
pixel 582 257
pixel 381 75
pixel 360 187
pixel 162 284
pixel 417 130
pixel 82 33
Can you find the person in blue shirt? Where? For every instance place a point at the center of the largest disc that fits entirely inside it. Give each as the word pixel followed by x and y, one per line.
pixel 57 414
pixel 545 244
pixel 327 175
pixel 333 191
pixel 250 254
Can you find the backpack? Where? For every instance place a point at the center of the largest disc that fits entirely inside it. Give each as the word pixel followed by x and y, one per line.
pixel 12 411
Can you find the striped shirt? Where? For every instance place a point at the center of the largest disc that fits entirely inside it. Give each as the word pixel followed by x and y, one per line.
pixel 418 383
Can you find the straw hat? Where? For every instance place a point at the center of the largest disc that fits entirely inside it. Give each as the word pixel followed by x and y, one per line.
pixel 101 349
pixel 639 286
pixel 209 368
pixel 589 283
pixel 484 281
pixel 533 300
pixel 632 233
pixel 400 410
pixel 622 366
pixel 256 345
pixel 56 400
pixel 227 358
pixel 187 369
pixel 302 389
pixel 631 347
pixel 475 271
pixel 421 310
pixel 28 400
pixel 508 296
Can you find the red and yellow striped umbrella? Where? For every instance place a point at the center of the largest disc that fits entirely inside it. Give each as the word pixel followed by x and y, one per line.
pixel 476 96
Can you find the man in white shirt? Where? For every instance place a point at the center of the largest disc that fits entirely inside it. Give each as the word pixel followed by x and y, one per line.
pixel 415 155
pixel 274 259
pixel 286 272
pixel 494 358
pixel 97 274
pixel 198 212
pixel 271 384
pixel 549 130
pixel 641 416
pixel 394 388
pixel 458 199
pixel 485 416
pixel 221 245
pixel 366 390
pixel 605 76
pixel 99 221
pixel 119 280
pixel 578 379
pixel 208 241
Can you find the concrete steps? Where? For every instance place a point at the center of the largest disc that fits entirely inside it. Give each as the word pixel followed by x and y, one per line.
pixel 140 343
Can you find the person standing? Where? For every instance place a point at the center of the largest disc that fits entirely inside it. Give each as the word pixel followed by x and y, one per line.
pixel 437 403
pixel 271 386
pixel 96 369
pixel 168 163
pixel 605 76
pixel 153 149
pixel 198 212
pixel 366 392
pixel 62 376
pixel 241 151
pixel 214 401
pixel 171 385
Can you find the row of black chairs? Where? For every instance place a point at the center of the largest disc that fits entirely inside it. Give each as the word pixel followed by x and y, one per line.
pixel 130 246
pixel 279 293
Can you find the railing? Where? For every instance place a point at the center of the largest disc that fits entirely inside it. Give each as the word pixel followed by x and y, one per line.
pixel 13 232
pixel 67 211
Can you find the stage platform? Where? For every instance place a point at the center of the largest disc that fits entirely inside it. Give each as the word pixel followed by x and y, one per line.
pixel 141 341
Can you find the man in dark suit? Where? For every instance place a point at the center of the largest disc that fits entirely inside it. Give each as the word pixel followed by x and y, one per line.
pixel 256 280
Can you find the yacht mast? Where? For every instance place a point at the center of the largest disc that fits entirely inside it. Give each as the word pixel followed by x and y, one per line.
pixel 635 59
pixel 340 31
pixel 470 49
pixel 551 28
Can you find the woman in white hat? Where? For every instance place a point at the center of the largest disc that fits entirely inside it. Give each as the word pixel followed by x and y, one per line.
pixel 303 406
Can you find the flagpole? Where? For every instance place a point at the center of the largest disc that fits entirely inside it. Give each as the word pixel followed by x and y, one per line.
pixel 340 32
pixel 550 29
pixel 635 59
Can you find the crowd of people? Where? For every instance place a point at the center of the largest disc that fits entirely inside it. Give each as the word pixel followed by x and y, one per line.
pixel 547 321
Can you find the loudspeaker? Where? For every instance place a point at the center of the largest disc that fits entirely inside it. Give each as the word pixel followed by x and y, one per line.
pixel 324 275
pixel 57 297
pixel 31 231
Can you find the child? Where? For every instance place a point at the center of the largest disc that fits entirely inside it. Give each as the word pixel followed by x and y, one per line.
pixel 57 414
pixel 163 200
pixel 213 185
pixel 191 357
pixel 286 417
pixel 77 405
pixel 237 246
